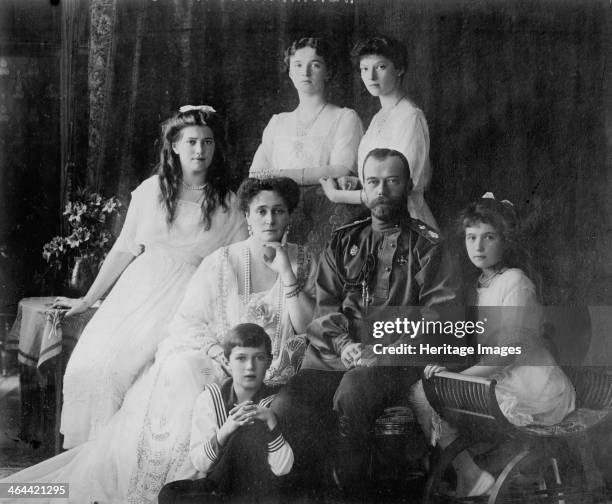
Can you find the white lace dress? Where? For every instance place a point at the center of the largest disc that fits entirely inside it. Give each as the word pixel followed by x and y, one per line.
pixel 405 130
pixel 146 443
pixel 332 140
pixel 534 389
pixel 123 335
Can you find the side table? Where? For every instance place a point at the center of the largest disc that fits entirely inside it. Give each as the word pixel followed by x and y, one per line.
pixel 44 339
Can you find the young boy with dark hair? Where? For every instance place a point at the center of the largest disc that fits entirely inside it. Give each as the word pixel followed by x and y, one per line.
pixel 235 438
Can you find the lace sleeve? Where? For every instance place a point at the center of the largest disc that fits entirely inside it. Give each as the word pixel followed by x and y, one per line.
pixel 262 165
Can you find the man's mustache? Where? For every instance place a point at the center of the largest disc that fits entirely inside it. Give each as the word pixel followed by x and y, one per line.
pixel 381 200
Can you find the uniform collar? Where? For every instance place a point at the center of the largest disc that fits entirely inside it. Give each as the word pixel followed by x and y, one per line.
pixel 385 227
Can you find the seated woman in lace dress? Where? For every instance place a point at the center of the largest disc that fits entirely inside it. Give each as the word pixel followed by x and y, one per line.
pixel 262 280
pixel 317 139
pixel 531 387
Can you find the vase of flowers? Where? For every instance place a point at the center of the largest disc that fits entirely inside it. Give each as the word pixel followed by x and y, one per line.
pixel 80 253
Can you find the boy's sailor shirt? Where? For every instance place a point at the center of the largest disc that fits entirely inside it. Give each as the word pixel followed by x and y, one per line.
pixel 210 412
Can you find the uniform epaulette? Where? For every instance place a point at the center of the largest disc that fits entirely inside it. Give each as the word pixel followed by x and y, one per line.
pixel 353 224
pixel 425 231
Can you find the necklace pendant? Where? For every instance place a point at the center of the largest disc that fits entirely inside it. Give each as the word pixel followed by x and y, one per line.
pixel 402 261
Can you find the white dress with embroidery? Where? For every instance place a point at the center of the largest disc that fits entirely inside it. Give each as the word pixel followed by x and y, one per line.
pixel 405 130
pixel 146 443
pixel 332 140
pixel 534 389
pixel 123 335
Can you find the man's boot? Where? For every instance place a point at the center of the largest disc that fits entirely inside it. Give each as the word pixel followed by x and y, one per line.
pixel 351 464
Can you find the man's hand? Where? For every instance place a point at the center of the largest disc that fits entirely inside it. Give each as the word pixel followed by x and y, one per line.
pixel 350 354
pixel 432 369
pixel 367 357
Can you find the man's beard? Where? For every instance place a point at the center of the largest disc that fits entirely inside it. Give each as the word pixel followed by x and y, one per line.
pixel 387 209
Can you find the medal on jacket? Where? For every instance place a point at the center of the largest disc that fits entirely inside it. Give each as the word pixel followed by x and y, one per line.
pixel 365 274
pixel 362 279
pixel 365 296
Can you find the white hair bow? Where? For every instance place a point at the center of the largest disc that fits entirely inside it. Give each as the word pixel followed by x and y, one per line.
pixel 201 108
pixel 490 195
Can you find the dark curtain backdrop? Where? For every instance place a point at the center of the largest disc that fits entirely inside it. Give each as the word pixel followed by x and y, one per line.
pixel 516 93
pixel 152 57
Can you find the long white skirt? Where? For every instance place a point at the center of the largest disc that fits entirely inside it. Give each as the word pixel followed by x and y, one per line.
pixel 120 340
pixel 144 445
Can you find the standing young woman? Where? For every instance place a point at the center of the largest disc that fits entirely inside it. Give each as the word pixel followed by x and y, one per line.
pixel 399 124
pixel 179 216
pixel 317 139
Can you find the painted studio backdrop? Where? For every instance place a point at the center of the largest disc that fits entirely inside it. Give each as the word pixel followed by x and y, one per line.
pixel 517 95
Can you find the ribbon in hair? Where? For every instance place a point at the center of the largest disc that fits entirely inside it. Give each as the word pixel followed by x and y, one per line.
pixel 201 108
pixel 490 195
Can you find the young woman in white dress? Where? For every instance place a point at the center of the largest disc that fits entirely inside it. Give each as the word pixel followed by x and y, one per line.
pixel 263 280
pixel 317 139
pixel 531 387
pixel 178 216
pixel 398 125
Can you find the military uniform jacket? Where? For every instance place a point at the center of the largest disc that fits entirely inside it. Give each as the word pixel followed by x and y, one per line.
pixel 394 269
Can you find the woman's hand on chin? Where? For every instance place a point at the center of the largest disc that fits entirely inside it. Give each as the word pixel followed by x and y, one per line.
pixel 279 262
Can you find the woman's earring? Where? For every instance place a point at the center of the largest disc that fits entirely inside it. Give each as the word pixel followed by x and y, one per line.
pixel 250 229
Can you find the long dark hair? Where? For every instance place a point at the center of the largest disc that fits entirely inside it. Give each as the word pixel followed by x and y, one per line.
pixel 169 166
pixel 503 216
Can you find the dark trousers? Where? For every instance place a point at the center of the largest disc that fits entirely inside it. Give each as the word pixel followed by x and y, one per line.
pixel 241 473
pixel 318 409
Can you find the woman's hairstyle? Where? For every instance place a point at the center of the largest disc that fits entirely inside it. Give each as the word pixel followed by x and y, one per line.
pixel 246 335
pixel 502 216
pixel 285 187
pixel 169 167
pixel 323 49
pixel 388 47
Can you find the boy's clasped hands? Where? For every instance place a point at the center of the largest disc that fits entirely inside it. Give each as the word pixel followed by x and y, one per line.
pixel 245 413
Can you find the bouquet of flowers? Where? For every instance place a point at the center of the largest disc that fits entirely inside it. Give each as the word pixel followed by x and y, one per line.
pixel 90 217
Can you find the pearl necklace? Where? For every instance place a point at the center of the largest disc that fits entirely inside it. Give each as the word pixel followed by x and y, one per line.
pixel 302 129
pixel 485 281
pixel 193 187
pixel 381 119
pixel 246 299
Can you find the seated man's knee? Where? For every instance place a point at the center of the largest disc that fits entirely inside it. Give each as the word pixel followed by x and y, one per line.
pixel 282 403
pixel 172 492
pixel 353 387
